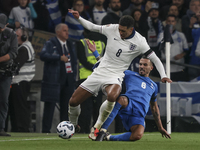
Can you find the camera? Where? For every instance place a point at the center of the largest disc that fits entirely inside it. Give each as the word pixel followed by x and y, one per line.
pixel 10 70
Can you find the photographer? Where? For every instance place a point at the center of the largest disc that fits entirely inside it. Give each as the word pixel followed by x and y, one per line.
pixel 8 51
pixel 21 84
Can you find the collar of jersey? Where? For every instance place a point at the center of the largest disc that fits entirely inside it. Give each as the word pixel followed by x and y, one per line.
pixel 132 35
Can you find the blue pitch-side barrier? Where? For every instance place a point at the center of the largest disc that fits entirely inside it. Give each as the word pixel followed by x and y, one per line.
pixel 185 99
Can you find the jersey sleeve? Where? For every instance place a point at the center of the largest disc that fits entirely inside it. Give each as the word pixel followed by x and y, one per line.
pixel 154 95
pixel 108 29
pixel 144 46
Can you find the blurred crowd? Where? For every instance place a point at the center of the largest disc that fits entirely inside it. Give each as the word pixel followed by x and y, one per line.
pixel 150 20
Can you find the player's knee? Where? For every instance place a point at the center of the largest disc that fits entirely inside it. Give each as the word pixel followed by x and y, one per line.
pixel 122 100
pixel 113 92
pixel 135 137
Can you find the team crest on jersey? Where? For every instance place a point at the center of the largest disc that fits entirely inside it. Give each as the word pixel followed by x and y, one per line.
pixel 132 46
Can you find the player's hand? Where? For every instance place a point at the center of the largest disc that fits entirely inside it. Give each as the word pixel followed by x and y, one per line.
pixel 164 80
pixel 92 47
pixel 74 13
pixel 164 133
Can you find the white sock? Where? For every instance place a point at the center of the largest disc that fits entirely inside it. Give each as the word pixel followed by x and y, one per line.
pixel 104 111
pixel 74 113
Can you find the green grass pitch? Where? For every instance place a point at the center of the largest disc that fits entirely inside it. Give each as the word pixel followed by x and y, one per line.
pixel 149 141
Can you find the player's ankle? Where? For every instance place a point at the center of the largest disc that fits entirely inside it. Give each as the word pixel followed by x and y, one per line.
pixel 104 130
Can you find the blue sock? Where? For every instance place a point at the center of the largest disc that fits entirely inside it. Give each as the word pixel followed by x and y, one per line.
pixel 121 137
pixel 111 116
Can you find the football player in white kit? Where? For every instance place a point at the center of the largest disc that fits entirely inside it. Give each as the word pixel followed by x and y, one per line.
pixel 123 45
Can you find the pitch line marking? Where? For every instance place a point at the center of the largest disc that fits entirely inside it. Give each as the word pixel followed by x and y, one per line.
pixel 35 139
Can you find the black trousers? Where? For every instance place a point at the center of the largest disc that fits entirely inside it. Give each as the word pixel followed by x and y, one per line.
pixel 19 109
pixel 49 107
pixel 5 83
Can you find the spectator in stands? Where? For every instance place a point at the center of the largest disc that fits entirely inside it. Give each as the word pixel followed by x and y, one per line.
pixel 97 12
pixel 173 9
pixel 136 14
pixel 19 109
pixel 194 57
pixel 181 8
pixel 90 107
pixel 135 4
pixel 43 16
pixel 189 21
pixel 151 27
pixel 64 6
pixel 48 13
pixel 75 28
pixel 7 5
pixel 113 13
pixel 178 50
pixel 58 81
pixel 23 15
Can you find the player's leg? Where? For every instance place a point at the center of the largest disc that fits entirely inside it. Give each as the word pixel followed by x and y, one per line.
pixel 112 91
pixel 122 102
pixel 135 134
pixel 77 98
pixel 106 108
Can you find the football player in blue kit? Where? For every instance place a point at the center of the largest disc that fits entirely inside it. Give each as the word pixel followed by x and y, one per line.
pixel 133 106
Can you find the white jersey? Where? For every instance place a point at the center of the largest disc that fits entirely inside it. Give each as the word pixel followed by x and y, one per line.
pixel 23 16
pixel 119 52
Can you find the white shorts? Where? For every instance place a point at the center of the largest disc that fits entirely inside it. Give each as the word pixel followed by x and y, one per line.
pixel 96 82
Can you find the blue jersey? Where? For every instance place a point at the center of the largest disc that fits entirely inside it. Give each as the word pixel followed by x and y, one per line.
pixel 140 91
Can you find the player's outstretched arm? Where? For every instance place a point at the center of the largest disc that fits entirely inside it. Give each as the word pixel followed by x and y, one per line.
pixel 159 67
pixel 92 48
pixel 87 24
pixel 156 114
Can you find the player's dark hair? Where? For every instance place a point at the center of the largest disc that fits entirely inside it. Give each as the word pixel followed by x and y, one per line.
pixel 127 21
pixel 145 57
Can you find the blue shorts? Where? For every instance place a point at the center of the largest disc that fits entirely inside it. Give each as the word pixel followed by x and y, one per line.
pixel 131 116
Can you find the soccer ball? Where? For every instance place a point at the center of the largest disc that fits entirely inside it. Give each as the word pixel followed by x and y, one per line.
pixel 65 129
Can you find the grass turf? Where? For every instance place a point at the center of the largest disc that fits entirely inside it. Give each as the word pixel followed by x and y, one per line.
pixel 149 141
